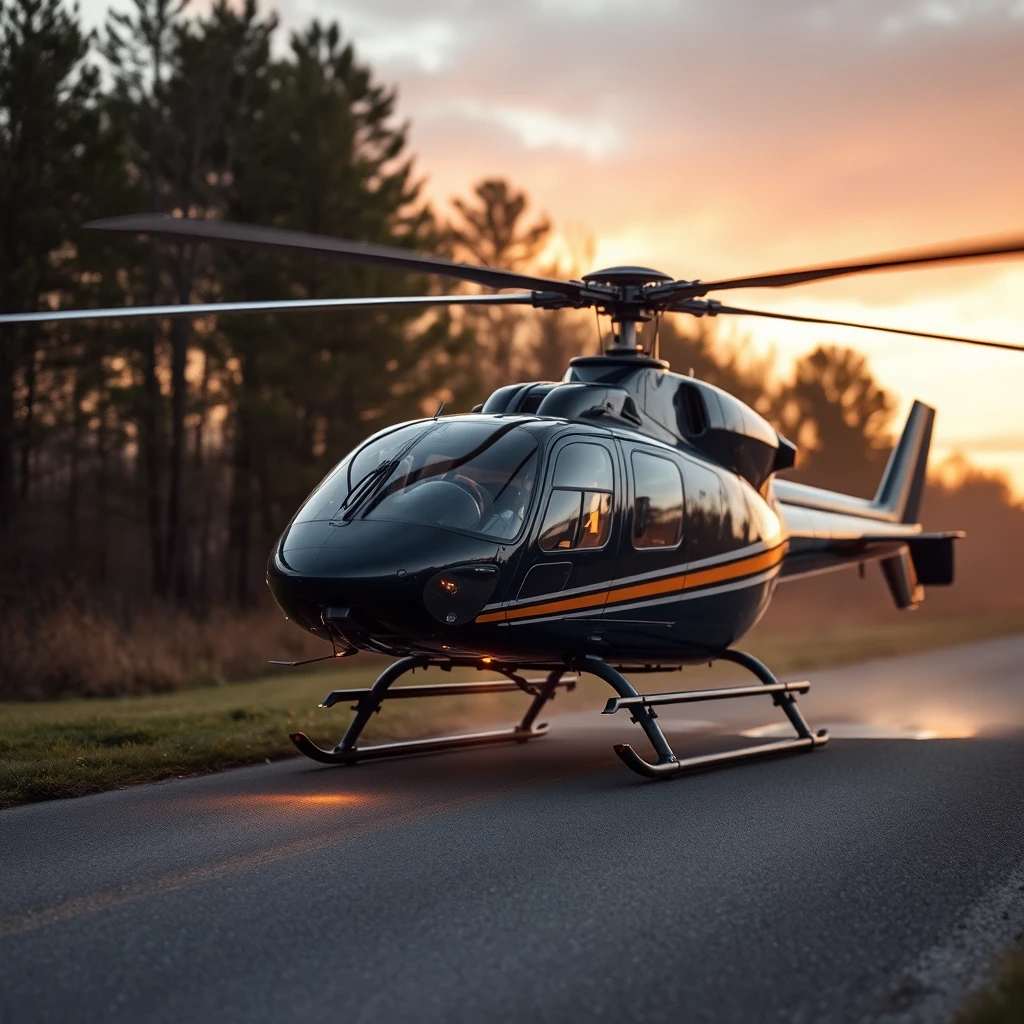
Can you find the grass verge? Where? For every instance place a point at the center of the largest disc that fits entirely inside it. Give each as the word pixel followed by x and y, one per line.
pixel 73 747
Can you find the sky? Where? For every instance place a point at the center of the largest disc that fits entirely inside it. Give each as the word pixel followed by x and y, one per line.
pixel 713 138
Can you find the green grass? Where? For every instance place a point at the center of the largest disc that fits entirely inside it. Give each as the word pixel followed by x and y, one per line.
pixel 72 747
pixel 1003 1003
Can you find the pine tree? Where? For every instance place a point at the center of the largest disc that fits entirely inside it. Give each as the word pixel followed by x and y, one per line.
pixel 50 136
pixel 839 415
pixel 185 88
pixel 495 229
pixel 323 155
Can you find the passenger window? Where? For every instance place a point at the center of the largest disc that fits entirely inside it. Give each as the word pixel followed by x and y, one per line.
pixel 736 519
pixel 703 511
pixel 658 512
pixel 597 519
pixel 579 513
pixel 561 524
pixel 586 467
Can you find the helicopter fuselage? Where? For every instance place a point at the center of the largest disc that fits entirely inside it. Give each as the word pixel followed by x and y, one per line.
pixel 627 513
pixel 619 545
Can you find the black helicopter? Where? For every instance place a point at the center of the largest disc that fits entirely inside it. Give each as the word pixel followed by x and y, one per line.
pixel 624 519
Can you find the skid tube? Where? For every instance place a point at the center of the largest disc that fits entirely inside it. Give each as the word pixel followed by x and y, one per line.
pixel 642 711
pixel 368 702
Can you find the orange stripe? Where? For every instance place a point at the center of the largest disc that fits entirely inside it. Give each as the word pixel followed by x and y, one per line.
pixel 667 585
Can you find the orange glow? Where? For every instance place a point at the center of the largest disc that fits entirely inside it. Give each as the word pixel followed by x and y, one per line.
pixel 864 141
pixel 290 801
pixel 945 730
pixel 487 661
pixel 316 799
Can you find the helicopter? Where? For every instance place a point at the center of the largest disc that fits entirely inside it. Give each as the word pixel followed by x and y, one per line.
pixel 624 520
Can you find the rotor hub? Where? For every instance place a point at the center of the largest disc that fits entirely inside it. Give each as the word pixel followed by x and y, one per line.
pixel 626 277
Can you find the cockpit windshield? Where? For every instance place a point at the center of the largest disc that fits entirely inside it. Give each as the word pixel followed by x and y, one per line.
pixel 333 492
pixel 468 475
pixel 473 476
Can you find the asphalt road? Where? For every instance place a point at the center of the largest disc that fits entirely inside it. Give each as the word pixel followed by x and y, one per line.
pixel 869 881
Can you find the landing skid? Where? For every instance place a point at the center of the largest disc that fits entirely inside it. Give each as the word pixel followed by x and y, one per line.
pixel 640 706
pixel 369 701
pixel 426 746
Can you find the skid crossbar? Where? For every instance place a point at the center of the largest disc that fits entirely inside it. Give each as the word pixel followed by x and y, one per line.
pixel 369 701
pixel 693 696
pixel 433 690
pixel 641 708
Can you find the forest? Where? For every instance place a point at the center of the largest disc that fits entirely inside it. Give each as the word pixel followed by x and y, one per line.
pixel 146 467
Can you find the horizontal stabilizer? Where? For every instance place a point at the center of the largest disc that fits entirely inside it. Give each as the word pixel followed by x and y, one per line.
pixel 932 555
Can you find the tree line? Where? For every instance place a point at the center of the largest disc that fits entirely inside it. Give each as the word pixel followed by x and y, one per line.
pixel 161 458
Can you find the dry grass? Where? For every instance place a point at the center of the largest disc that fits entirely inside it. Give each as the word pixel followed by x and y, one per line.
pixel 91 652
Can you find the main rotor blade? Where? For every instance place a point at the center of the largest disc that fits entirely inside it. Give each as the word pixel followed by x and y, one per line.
pixel 953 253
pixel 249 235
pixel 698 308
pixel 286 306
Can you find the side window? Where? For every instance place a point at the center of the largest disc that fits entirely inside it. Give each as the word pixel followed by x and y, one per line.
pixel 584 467
pixel 703 511
pixel 736 520
pixel 579 513
pixel 658 511
pixel 765 523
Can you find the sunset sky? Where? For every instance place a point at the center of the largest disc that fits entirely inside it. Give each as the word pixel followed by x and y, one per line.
pixel 719 137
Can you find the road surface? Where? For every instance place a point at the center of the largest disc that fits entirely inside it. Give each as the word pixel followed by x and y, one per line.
pixel 869 881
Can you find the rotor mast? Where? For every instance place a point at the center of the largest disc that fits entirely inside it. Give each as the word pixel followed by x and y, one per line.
pixel 630 305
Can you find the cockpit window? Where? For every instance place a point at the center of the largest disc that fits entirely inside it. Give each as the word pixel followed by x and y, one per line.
pixel 472 476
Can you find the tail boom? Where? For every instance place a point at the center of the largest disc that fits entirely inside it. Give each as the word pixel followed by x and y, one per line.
pixel 830 531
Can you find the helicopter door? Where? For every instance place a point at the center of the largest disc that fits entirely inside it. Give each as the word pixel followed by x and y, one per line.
pixel 570 559
pixel 652 544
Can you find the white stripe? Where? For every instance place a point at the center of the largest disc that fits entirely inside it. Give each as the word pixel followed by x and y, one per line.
pixel 599 614
pixel 684 567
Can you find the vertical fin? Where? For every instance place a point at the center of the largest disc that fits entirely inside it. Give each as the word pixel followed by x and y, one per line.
pixel 902 486
pixel 899 494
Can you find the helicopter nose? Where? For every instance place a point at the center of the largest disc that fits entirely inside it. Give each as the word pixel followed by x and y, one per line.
pixel 388 577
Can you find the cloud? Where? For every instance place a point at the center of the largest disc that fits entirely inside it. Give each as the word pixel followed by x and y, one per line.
pixel 535 128
pixel 719 137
